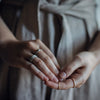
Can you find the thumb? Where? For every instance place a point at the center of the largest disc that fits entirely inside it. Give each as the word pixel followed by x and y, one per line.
pixel 69 69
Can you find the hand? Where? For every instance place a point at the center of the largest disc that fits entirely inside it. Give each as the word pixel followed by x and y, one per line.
pixel 77 72
pixel 17 54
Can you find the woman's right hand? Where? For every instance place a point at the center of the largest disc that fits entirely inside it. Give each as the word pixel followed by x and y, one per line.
pixel 18 53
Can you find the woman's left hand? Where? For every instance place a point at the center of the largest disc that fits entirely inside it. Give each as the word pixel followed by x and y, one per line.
pixel 76 73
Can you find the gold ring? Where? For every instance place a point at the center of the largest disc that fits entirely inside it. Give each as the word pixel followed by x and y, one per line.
pixel 74 85
pixel 58 85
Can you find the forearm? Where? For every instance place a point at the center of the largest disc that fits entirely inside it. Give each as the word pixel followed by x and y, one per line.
pixel 5 33
pixel 95 48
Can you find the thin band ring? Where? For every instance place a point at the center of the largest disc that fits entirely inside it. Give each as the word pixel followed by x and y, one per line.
pixel 58 85
pixel 32 57
pixel 73 80
pixel 38 50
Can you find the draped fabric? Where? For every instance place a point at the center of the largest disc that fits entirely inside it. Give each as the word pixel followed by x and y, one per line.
pixel 66 27
pixel 98 13
pixel 80 9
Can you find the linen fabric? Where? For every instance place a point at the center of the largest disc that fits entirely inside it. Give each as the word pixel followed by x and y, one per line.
pixel 66 27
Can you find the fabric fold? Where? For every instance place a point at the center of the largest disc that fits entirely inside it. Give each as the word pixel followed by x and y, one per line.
pixel 83 10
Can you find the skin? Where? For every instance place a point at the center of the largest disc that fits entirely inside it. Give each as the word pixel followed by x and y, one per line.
pixel 16 54
pixel 79 69
pixel 46 67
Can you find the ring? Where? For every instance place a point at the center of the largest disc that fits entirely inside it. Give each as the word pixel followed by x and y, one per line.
pixel 58 85
pixel 32 57
pixel 74 85
pixel 37 51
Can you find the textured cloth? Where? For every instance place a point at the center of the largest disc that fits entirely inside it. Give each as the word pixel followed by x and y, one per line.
pixel 98 13
pixel 64 10
pixel 66 27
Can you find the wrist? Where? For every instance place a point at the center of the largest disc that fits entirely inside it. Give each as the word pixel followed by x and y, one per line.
pixel 4 44
pixel 88 58
pixel 8 38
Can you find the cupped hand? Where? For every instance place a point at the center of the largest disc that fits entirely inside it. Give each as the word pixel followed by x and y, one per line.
pixel 75 74
pixel 18 53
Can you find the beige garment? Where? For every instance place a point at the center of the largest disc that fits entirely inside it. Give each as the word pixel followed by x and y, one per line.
pixel 98 13
pixel 66 27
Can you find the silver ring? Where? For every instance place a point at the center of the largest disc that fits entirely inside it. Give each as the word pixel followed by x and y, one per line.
pixel 32 57
pixel 38 50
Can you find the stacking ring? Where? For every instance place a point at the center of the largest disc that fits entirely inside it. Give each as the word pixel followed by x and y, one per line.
pixel 32 57
pixel 74 84
pixel 59 86
pixel 37 51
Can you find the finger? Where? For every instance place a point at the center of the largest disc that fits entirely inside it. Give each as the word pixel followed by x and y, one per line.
pixel 80 77
pixel 65 84
pixel 52 84
pixel 43 56
pixel 41 66
pixel 30 45
pixel 68 70
pixel 38 73
pixel 48 52
pixel 25 64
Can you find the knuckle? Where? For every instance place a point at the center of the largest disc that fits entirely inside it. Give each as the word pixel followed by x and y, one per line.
pixel 29 44
pixel 40 62
pixel 37 43
pixel 37 40
pixel 50 74
pixel 46 59
pixel 52 57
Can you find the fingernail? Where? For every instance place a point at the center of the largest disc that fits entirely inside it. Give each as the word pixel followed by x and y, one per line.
pixel 55 79
pixel 63 75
